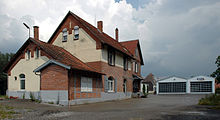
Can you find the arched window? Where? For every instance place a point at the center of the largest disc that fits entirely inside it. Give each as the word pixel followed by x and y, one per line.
pixel 22 81
pixel 37 54
pixel 64 35
pixel 110 84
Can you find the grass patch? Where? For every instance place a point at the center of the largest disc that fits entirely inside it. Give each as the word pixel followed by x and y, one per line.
pixel 6 112
pixel 213 99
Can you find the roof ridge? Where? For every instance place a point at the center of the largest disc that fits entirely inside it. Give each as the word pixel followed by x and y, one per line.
pixel 79 19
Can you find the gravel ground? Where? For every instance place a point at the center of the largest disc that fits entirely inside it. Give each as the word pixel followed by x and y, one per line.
pixel 155 107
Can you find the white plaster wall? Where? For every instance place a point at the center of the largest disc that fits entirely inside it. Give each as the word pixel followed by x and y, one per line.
pixel 119 58
pixel 24 66
pixel 84 48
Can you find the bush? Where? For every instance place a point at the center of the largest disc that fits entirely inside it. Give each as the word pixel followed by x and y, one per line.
pixel 213 99
pixel 217 90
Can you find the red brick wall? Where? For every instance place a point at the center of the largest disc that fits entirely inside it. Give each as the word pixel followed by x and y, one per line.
pixel 77 94
pixel 54 77
pixel 116 72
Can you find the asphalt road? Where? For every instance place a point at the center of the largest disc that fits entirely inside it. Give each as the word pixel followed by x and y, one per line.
pixel 155 107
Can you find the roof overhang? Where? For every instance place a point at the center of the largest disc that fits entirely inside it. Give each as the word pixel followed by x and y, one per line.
pixel 135 77
pixel 49 62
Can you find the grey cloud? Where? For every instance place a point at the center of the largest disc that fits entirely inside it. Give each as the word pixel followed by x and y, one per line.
pixel 189 40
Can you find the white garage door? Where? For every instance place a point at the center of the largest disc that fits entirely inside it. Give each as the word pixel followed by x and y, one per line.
pixel 172 87
pixel 201 86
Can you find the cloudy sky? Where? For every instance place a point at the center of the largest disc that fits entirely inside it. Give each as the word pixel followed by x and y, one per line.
pixel 178 37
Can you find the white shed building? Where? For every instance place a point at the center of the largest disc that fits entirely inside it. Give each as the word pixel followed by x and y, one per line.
pixel 178 85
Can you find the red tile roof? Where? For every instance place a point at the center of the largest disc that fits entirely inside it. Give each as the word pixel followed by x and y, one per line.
pixel 61 55
pixel 99 36
pixel 130 45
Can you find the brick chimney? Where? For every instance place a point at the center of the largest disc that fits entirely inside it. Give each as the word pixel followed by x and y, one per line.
pixel 36 32
pixel 100 26
pixel 116 34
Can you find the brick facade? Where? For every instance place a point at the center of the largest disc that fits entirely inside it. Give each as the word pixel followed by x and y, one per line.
pixel 54 77
pixel 116 72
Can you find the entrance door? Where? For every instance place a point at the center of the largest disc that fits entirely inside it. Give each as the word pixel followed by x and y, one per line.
pixel 136 85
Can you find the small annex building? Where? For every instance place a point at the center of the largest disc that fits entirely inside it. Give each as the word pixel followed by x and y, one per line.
pixel 179 85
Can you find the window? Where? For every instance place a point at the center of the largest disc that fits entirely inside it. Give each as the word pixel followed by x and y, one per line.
pixel 22 81
pixel 125 63
pixel 86 84
pixel 135 67
pixel 28 54
pixel 37 53
pixel 64 35
pixel 136 52
pixel 110 84
pixel 111 57
pixel 76 32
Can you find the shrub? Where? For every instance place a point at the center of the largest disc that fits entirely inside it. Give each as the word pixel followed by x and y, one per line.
pixel 217 90
pixel 32 97
pixel 213 99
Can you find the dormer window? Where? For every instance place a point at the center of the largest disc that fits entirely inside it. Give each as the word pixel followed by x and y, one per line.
pixel 28 54
pixel 64 35
pixel 37 53
pixel 111 57
pixel 76 32
pixel 136 52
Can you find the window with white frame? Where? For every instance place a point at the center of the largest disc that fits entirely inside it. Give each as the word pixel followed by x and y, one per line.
pixel 22 81
pixel 135 67
pixel 37 53
pixel 64 35
pixel 76 32
pixel 28 54
pixel 86 84
pixel 110 84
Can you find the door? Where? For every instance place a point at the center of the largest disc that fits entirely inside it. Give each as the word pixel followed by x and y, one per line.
pixel 172 87
pixel 205 86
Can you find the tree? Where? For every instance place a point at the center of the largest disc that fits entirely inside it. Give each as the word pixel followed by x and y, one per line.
pixel 216 74
pixel 4 59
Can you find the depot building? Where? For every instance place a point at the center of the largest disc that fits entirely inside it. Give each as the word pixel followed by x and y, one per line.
pixel 178 85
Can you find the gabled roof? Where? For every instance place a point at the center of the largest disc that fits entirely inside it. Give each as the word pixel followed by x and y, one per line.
pixel 98 35
pixel 51 62
pixel 131 46
pixel 149 78
pixel 58 54
pixel 171 77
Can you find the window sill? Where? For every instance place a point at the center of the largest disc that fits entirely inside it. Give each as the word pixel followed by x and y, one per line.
pixel 86 91
pixel 64 41
pixel 111 91
pixel 76 39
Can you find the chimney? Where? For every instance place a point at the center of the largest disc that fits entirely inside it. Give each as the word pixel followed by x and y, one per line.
pixel 99 23
pixel 116 34
pixel 36 32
